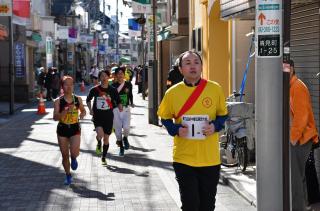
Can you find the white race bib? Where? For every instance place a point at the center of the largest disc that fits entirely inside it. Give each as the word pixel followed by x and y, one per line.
pixel 195 125
pixel 102 103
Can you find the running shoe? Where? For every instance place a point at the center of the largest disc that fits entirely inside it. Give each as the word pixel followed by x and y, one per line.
pixel 121 152
pixel 68 180
pixel 118 143
pixel 98 150
pixel 104 161
pixel 126 143
pixel 74 164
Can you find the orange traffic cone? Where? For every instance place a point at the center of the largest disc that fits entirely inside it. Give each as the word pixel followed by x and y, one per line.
pixel 82 87
pixel 41 106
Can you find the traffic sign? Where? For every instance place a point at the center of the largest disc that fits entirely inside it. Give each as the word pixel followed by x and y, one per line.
pixel 269 28
pixel 5 8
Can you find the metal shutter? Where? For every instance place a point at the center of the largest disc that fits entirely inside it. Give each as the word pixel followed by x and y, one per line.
pixel 305 48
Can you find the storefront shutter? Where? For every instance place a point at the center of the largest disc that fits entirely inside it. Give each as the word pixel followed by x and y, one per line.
pixel 305 48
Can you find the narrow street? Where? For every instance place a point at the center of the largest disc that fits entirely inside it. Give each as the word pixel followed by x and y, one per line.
pixel 32 175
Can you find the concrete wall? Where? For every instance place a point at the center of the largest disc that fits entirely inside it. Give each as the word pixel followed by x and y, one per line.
pixel 241 47
pixel 219 48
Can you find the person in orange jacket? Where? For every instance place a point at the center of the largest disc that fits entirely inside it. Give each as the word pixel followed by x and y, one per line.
pixel 303 133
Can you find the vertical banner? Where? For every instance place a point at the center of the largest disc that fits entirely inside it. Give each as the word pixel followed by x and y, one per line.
pixel 49 51
pixel 21 12
pixel 20 60
pixel 149 37
pixel 141 6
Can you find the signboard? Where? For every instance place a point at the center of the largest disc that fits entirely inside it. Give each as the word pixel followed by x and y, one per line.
pixel 69 56
pixel 19 60
pixel 141 6
pixel 269 28
pixel 49 52
pixel 5 8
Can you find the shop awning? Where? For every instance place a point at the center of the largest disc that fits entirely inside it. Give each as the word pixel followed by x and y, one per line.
pixel 125 59
pixel 164 35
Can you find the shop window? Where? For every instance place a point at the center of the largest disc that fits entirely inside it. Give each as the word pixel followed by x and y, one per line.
pixel 197 39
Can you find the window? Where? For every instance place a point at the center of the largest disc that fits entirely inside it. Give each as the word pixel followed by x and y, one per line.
pixel 197 39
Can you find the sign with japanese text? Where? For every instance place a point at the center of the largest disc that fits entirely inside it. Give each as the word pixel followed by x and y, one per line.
pixel 5 8
pixel 141 6
pixel 19 60
pixel 269 28
pixel 49 52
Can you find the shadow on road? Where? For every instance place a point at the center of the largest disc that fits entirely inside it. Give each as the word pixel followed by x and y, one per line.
pixel 84 192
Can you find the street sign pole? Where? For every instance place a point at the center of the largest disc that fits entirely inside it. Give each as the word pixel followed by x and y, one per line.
pixel 286 95
pixel 269 112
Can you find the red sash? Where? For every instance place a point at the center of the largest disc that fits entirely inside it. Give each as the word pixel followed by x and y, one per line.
pixel 108 101
pixel 192 98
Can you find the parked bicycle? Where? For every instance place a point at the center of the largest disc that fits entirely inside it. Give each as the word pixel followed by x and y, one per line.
pixel 238 137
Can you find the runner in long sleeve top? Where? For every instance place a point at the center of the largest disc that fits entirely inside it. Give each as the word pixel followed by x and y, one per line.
pixel 122 119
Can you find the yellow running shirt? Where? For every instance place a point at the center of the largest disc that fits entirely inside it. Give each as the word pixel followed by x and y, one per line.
pixel 195 151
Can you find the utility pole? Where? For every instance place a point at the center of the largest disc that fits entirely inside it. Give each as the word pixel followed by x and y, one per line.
pixel 117 33
pixel 153 74
pixel 11 65
pixel 269 106
pixel 286 95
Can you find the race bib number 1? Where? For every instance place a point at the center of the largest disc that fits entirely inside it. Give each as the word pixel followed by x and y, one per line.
pixel 195 124
pixel 102 103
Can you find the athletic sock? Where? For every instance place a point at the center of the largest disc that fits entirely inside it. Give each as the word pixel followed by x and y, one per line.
pixel 105 150
pixel 99 142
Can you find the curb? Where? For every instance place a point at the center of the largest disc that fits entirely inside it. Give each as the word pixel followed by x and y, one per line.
pixel 238 188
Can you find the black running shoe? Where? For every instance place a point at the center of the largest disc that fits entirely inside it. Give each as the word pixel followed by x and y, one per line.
pixel 126 143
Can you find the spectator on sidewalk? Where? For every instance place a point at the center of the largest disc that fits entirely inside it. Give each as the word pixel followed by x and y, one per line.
pixel 174 75
pixel 55 83
pixel 79 75
pixel 66 111
pixel 106 98
pixel 196 157
pixel 41 79
pixel 303 134
pixel 48 84
pixel 94 73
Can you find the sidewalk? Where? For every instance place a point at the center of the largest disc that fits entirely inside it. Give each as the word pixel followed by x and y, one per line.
pixel 32 175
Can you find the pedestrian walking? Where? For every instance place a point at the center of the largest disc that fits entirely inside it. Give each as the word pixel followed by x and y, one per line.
pixel 94 75
pixel 174 75
pixel 55 83
pixel 199 111
pixel 303 134
pixel 66 111
pixel 41 80
pixel 48 84
pixel 122 118
pixel 106 98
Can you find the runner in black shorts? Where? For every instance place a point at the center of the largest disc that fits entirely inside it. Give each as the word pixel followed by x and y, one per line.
pixel 105 99
pixel 66 111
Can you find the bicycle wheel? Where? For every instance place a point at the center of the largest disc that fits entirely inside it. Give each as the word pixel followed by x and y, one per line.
pixel 228 158
pixel 242 154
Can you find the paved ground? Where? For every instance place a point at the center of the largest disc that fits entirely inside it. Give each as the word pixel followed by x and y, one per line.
pixel 32 175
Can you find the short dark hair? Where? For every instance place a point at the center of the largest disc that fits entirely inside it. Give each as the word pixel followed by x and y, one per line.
pixel 189 51
pixel 118 69
pixel 104 71
pixel 291 62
